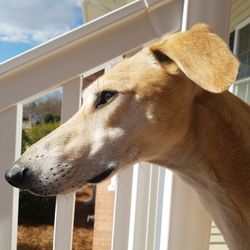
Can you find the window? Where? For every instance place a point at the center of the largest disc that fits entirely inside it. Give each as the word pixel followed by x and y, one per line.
pixel 242 51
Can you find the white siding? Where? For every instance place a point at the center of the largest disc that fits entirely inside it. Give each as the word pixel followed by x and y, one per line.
pixel 217 241
pixel 240 10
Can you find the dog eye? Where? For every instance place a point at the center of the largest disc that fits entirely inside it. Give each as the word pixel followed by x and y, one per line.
pixel 105 97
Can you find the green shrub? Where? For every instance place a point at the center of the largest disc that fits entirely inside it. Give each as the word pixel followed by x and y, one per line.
pixel 48 118
pixel 39 131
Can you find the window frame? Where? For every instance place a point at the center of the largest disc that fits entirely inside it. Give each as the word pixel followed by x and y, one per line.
pixel 238 27
pixel 235 88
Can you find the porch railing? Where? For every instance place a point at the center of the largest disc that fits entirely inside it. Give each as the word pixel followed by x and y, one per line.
pixel 157 211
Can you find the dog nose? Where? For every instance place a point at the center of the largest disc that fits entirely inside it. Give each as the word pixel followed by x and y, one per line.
pixel 16 175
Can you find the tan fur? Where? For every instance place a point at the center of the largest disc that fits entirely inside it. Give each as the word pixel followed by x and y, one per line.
pixel 163 114
pixel 203 57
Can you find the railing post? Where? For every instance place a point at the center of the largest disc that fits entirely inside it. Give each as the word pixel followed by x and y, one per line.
pixel 213 12
pixel 65 204
pixel 189 223
pixel 140 204
pixel 122 213
pixel 10 144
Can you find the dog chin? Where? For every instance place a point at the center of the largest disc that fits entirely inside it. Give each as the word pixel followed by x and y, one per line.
pixel 51 190
pixel 100 177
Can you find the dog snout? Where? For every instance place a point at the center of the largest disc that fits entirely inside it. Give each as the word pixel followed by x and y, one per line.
pixel 16 175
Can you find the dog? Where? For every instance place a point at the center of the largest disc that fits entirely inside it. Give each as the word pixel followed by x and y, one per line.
pixel 166 105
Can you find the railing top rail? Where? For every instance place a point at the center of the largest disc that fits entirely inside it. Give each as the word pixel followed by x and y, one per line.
pixel 73 36
pixel 57 61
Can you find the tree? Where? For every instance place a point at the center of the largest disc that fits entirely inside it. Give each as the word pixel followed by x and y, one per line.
pixel 48 118
pixel 49 104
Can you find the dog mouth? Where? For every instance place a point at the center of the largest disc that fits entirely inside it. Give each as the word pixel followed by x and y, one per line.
pixel 100 177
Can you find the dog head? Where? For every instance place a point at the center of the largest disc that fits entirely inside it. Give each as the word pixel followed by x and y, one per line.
pixel 138 111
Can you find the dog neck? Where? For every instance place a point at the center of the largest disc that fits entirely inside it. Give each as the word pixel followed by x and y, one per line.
pixel 212 159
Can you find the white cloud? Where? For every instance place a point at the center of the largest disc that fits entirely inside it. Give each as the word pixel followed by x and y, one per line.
pixel 37 20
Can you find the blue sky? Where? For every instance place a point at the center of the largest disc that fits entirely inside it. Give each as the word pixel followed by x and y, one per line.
pixel 28 23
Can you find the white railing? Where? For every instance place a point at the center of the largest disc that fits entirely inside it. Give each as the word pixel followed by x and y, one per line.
pixel 157 210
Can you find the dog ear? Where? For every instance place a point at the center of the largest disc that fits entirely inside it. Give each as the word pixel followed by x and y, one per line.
pixel 201 55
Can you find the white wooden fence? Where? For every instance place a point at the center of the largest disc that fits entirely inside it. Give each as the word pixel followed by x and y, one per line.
pixel 155 211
